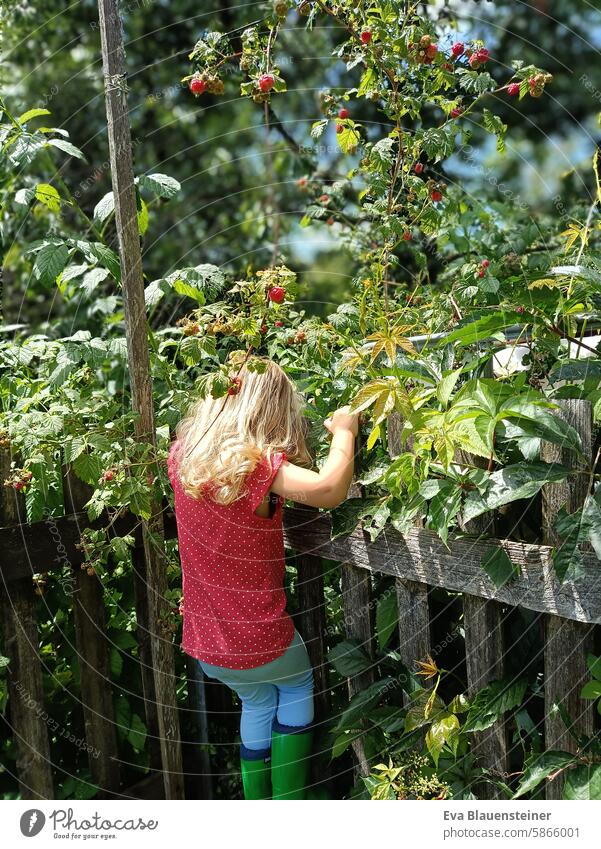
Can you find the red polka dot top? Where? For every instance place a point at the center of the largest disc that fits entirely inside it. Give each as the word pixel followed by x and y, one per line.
pixel 234 605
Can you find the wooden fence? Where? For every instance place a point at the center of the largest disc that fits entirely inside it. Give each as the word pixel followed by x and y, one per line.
pixel 417 560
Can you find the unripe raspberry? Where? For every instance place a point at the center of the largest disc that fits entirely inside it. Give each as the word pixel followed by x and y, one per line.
pixel 330 221
pixel 343 113
pixel 366 36
pixel 339 128
pixel 266 82
pixel 431 51
pixel 301 337
pixel 302 182
pixel 513 89
pixel 324 198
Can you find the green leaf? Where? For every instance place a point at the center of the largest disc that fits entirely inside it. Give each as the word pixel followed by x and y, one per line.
pixel 137 733
pixel 387 617
pixel 498 567
pixel 362 702
pixel 594 665
pixel 539 767
pixel 445 388
pixel 349 138
pixel 591 690
pixel 583 783
pixel 104 207
pixel 67 147
pixel 348 658
pixel 342 743
pixel 88 468
pixel 522 480
pixel 161 184
pixel 439 733
pixel 572 370
pixel 494 700
pixel 48 195
pixel 50 261
pixel 116 662
pixel 107 258
pixel 32 113
pixel 482 328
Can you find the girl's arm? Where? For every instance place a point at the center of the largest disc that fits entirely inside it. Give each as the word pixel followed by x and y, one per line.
pixel 329 486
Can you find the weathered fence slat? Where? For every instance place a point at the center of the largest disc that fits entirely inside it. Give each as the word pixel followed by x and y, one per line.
pixel 357 606
pixel 312 619
pixel 197 702
pixel 412 596
pixel 484 654
pixel 26 688
pixel 566 643
pixel 93 660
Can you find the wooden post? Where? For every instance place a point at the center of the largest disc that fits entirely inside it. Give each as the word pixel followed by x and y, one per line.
pixel 119 135
pixel 25 683
pixel 412 596
pixel 358 621
pixel 312 619
pixel 93 660
pixel 484 655
pixel 567 643
pixel 197 701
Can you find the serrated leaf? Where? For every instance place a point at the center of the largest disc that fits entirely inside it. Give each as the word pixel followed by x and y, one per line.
pixel 104 207
pixel 50 261
pixel 67 147
pixel 161 184
pixel 539 767
pixel 348 658
pixel 48 195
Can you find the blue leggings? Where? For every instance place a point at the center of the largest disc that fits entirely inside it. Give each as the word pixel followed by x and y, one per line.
pixel 281 690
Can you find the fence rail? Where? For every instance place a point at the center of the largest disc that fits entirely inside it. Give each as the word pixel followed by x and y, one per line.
pixel 418 560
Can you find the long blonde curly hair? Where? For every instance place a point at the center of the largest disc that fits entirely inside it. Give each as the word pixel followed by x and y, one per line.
pixel 221 440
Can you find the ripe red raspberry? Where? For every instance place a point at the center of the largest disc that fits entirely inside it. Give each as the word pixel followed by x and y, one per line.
pixel 419 167
pixel 457 49
pixel 301 336
pixel 234 387
pixel 407 236
pixel 263 328
pixel 431 51
pixel 480 57
pixel 108 475
pixel 339 128
pixel 279 323
pixel 344 113
pixel 266 82
pixel 366 36
pixel 456 112
pixel 519 310
pixel 481 273
pixel 447 66
pixel 197 86
pixel 330 221
pixel 485 263
pixel 436 195
pixel 277 294
pixel 324 198
pixel 19 485
pixel 513 89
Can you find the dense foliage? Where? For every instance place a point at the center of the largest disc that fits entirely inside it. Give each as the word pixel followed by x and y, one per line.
pixel 465 311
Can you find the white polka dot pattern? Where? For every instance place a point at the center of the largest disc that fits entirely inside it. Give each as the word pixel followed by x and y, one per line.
pixel 234 605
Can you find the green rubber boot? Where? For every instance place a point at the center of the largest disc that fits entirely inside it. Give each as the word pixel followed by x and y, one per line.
pixel 256 778
pixel 290 762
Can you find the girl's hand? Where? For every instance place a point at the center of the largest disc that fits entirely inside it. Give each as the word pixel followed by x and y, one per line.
pixel 343 419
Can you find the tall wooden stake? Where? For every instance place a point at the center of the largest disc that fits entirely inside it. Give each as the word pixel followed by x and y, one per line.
pixel 119 134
